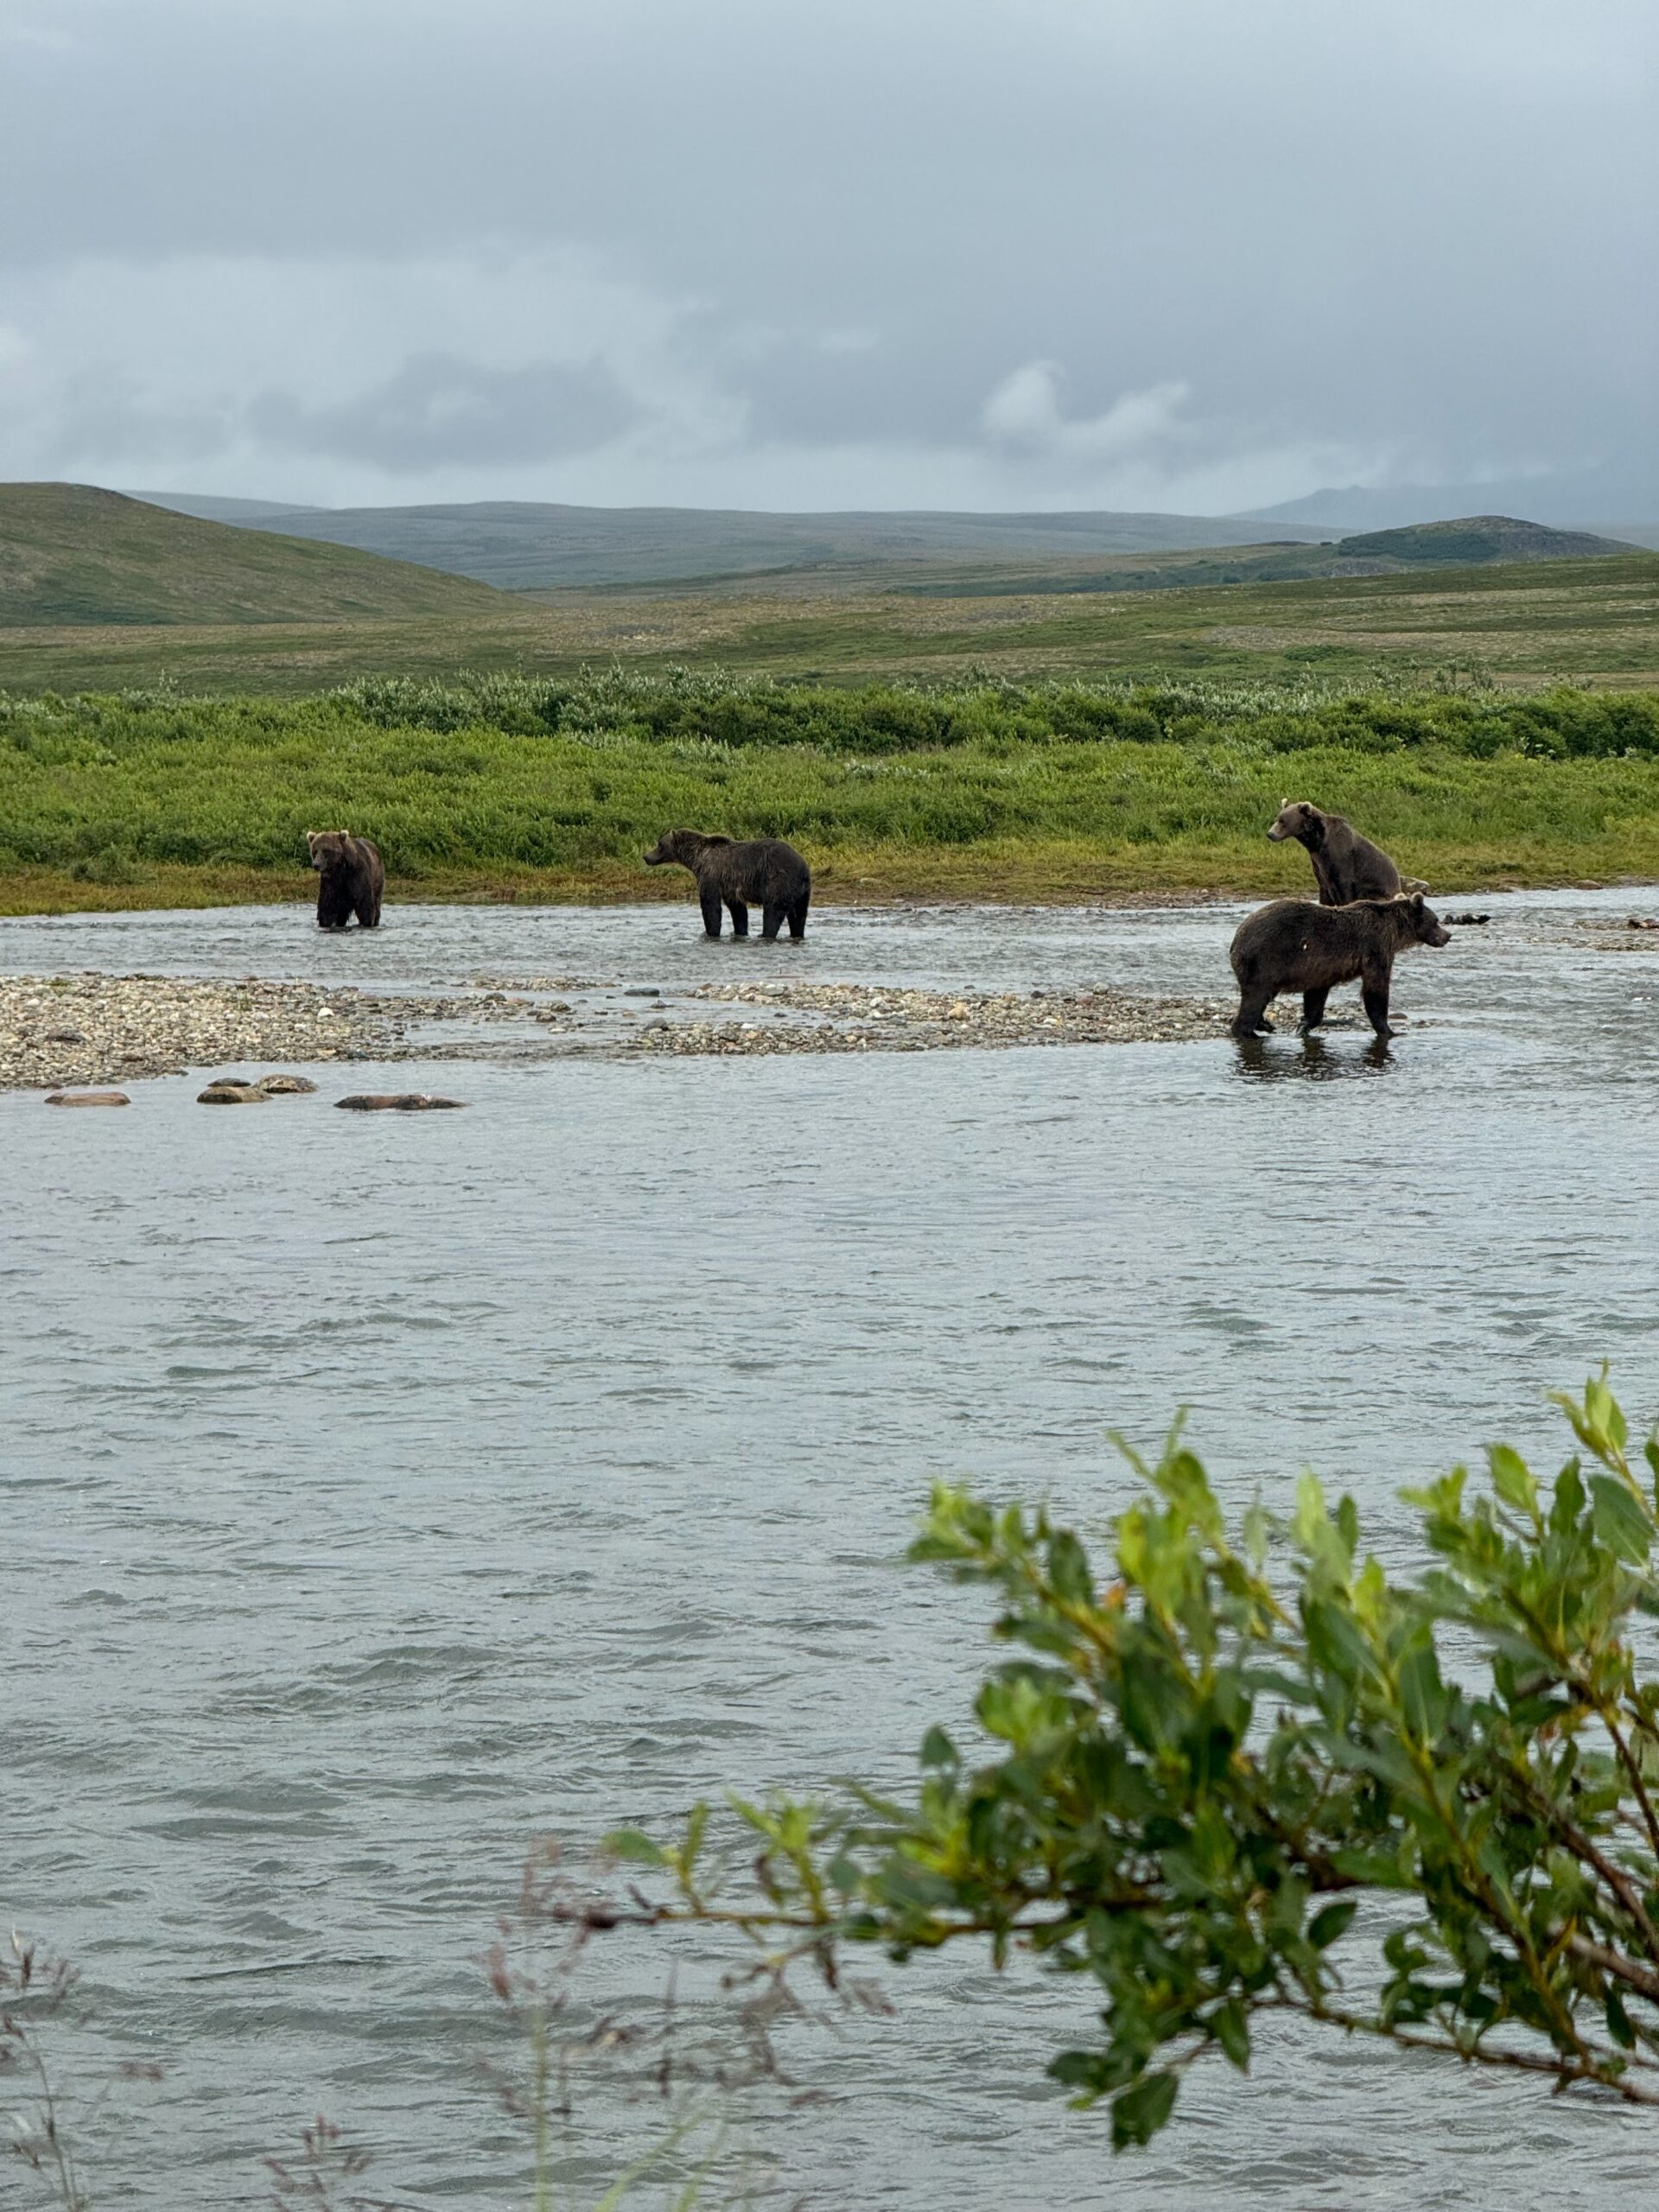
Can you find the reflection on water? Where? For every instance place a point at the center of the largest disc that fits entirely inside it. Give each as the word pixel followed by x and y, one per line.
pixel 1308 1060
pixel 381 1492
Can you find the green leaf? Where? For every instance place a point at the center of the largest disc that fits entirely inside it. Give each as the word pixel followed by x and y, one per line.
pixel 1423 1697
pixel 937 1750
pixel 1139 2113
pixel 1619 1520
pixel 635 1847
pixel 1330 1922
pixel 1618 2021
pixel 1068 1570
pixel 1569 1500
pixel 1232 2031
pixel 1512 1478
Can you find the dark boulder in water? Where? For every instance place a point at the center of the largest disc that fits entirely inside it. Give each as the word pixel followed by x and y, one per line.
pixel 397 1102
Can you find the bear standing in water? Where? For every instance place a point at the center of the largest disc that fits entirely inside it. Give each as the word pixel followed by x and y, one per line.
pixel 765 872
pixel 351 879
pixel 1345 865
pixel 1292 946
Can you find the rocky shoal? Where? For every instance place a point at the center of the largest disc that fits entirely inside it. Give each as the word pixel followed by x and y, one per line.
pixel 862 1018
pixel 64 1030
pixel 57 1031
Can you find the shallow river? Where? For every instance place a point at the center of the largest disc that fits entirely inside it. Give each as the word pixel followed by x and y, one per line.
pixel 382 1493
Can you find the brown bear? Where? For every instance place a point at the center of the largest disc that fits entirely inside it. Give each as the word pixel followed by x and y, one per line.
pixel 1345 865
pixel 765 871
pixel 351 879
pixel 1295 946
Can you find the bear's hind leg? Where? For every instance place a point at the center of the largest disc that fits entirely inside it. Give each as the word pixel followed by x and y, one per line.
pixel 709 901
pixel 739 914
pixel 797 915
pixel 1252 1015
pixel 771 920
pixel 1313 1008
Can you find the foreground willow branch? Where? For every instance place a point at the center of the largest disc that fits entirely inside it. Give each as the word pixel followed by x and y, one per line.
pixel 1205 1769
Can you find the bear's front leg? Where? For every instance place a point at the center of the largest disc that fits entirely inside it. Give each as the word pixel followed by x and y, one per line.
pixel 740 917
pixel 709 901
pixel 1374 996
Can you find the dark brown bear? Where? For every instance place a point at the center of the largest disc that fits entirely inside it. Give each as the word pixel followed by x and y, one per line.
pixel 1295 946
pixel 351 879
pixel 1346 865
pixel 765 873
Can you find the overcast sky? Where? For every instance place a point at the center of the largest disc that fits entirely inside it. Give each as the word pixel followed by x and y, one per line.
pixel 1190 254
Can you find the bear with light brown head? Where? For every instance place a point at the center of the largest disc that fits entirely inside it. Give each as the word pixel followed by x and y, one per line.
pixel 350 878
pixel 1346 866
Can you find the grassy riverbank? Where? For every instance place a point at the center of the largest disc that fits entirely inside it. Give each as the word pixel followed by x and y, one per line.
pixel 504 788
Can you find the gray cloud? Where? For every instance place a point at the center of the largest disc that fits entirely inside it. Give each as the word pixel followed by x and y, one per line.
pixel 815 245
pixel 439 410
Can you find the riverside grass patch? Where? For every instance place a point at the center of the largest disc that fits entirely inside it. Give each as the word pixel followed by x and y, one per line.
pixel 1045 789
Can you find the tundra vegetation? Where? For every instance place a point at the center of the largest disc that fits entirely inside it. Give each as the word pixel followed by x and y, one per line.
pixel 1232 1777
pixel 503 785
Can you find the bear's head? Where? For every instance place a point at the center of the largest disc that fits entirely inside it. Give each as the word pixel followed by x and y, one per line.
pixel 1424 923
pixel 329 848
pixel 1296 818
pixel 681 847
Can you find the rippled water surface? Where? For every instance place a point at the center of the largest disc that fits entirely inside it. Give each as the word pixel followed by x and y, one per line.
pixel 383 1492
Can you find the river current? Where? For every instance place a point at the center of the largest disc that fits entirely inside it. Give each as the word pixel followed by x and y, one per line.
pixel 382 1493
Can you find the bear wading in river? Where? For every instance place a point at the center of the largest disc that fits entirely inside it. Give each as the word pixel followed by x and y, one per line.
pixel 1345 865
pixel 764 873
pixel 351 879
pixel 1293 945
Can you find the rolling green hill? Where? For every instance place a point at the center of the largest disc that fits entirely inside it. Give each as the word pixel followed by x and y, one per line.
pixel 1474 538
pixel 71 555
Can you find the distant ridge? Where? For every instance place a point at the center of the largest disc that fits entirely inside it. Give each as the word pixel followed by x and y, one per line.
pixel 71 554
pixel 524 546
pixel 206 507
pixel 1585 503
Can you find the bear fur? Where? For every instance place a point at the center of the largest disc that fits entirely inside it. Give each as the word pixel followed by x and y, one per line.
pixel 1293 945
pixel 1345 865
pixel 765 873
pixel 351 879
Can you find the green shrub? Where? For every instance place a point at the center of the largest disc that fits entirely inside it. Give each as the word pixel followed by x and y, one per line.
pixel 1216 1756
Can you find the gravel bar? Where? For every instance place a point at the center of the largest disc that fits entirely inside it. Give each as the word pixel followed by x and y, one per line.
pixel 865 1018
pixel 60 1032
pixel 67 1029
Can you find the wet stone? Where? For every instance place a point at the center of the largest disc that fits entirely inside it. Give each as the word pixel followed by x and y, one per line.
pixel 88 1098
pixel 397 1102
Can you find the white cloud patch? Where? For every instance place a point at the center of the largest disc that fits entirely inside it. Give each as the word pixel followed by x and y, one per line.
pixel 1024 417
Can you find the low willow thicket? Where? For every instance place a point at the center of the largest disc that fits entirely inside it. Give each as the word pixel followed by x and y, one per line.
pixel 516 771
pixel 1216 1756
